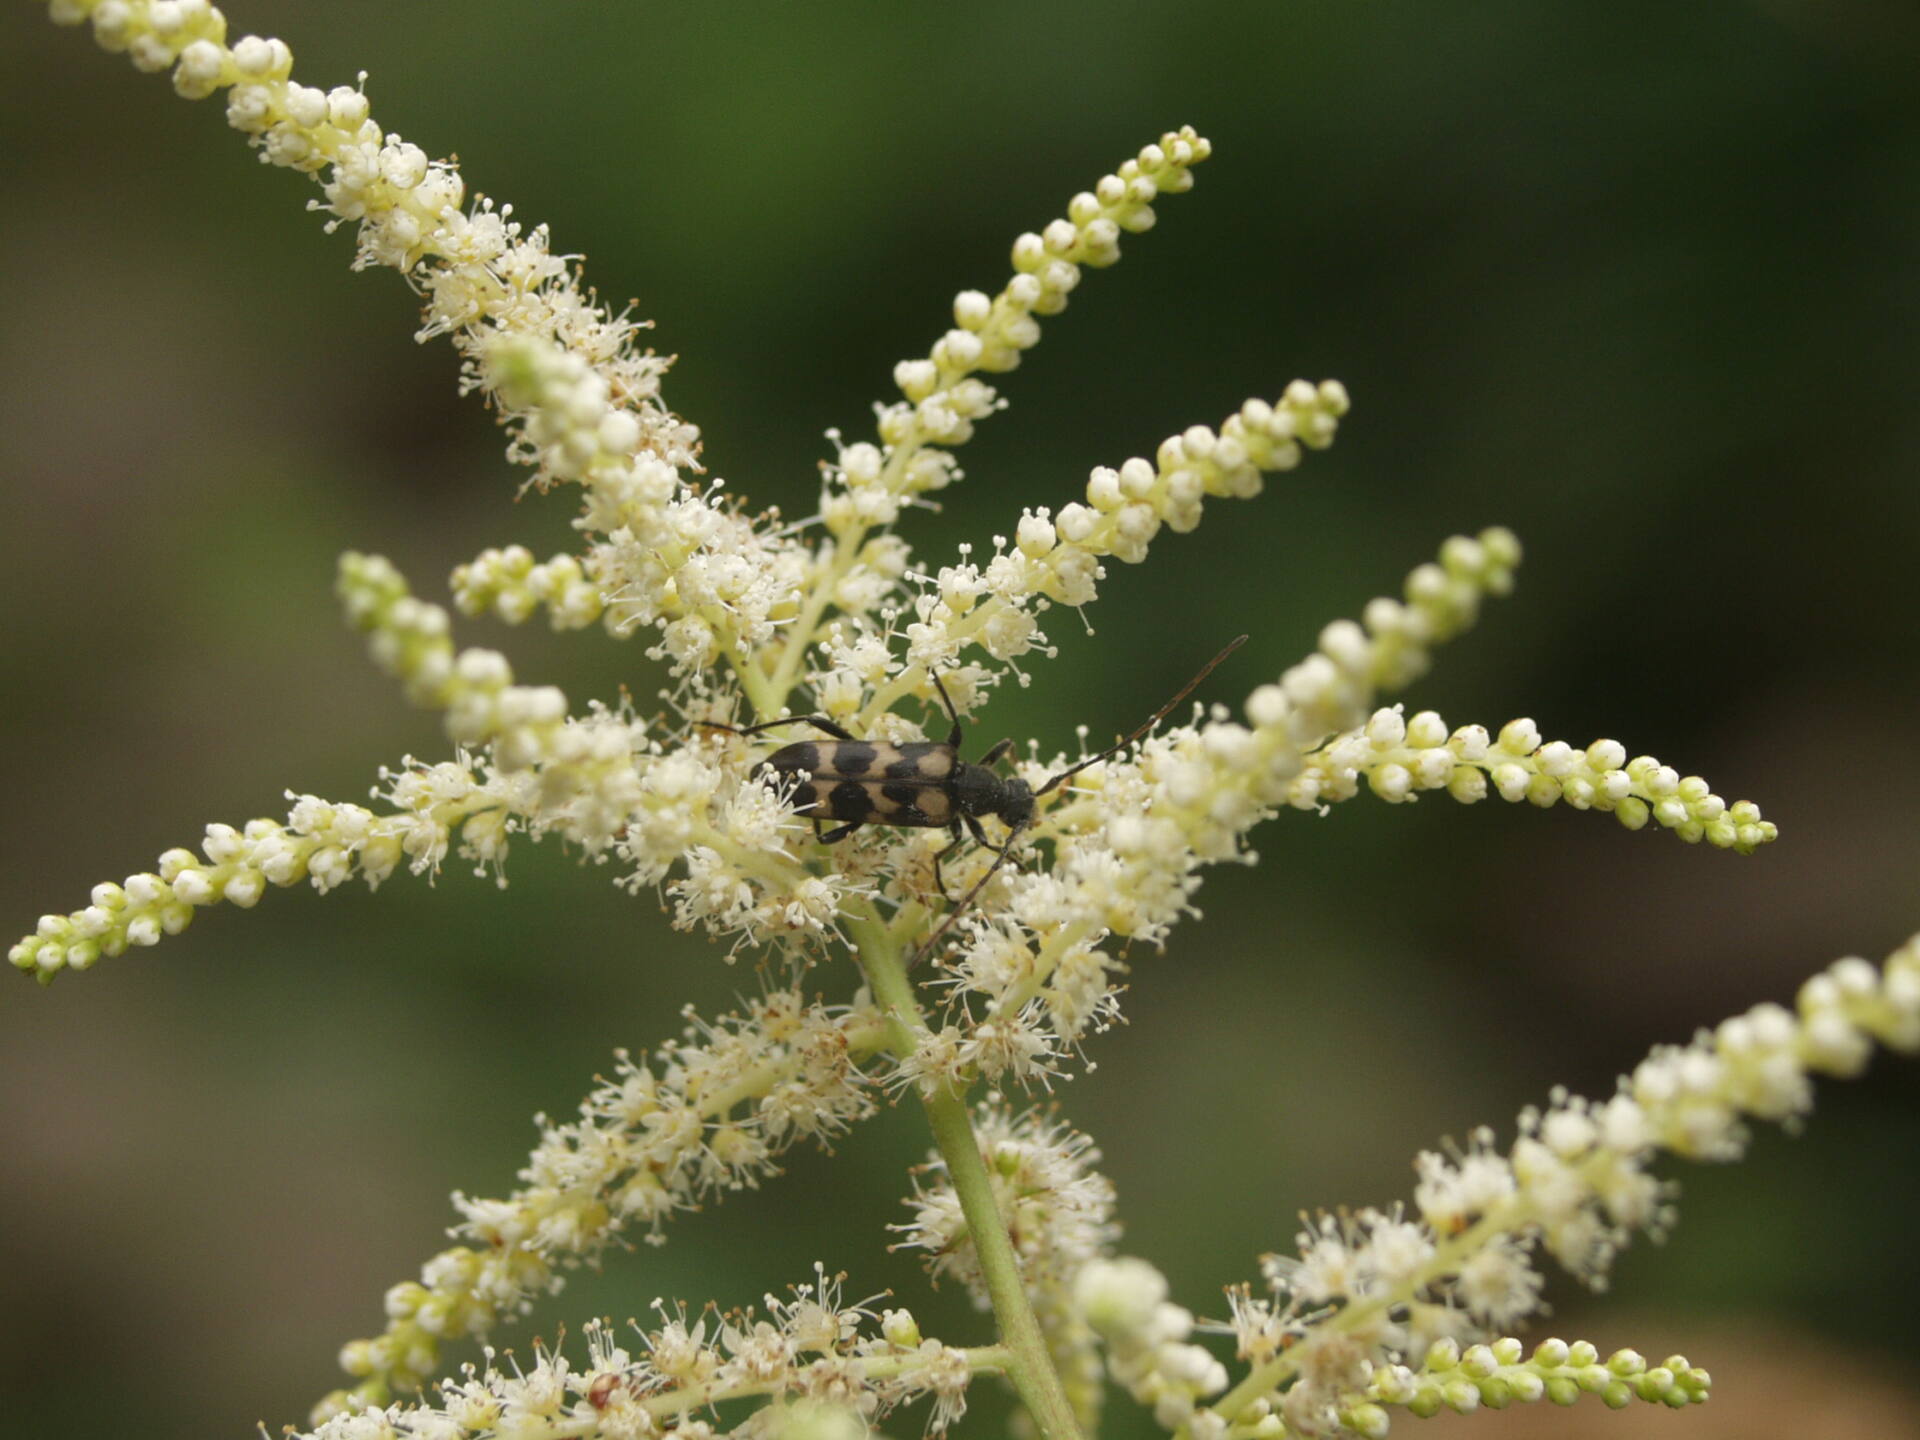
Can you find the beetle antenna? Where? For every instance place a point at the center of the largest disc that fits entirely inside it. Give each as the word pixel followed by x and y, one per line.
pixel 967 899
pixel 1056 781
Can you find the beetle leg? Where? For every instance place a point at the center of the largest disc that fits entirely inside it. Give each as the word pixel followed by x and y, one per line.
pixel 998 752
pixel 839 833
pixel 953 737
pixel 954 914
pixel 1004 850
pixel 939 880
pixel 979 834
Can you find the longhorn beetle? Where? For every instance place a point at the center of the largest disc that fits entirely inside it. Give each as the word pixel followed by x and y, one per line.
pixel 923 784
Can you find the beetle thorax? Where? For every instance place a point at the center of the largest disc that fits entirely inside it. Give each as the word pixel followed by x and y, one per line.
pixel 978 791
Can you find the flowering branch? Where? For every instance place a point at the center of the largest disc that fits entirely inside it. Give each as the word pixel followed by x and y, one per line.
pixel 1031 1368
pixel 1377 1311
pixel 706 1114
pixel 868 485
pixel 1399 758
pixel 1497 1376
pixel 1368 1289
pixel 810 1349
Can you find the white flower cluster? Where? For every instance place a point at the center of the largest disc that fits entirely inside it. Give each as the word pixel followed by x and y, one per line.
pixel 543 770
pixel 581 397
pixel 483 276
pixel 1125 1301
pixel 321 842
pixel 1056 1206
pixel 812 1356
pixel 1130 835
pixel 706 1114
pixel 524 762
pixel 943 399
pixel 1056 559
pixel 713 580
pixel 1399 758
pixel 1372 1290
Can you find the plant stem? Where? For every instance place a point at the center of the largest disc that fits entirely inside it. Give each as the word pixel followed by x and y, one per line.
pixel 1032 1369
pixel 753 682
pixel 1029 1365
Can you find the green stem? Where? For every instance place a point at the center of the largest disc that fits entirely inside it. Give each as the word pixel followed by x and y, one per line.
pixel 846 553
pixel 759 693
pixel 800 635
pixel 1029 1365
pixel 1032 1370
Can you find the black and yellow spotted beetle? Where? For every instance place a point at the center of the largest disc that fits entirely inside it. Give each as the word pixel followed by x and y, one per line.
pixel 922 784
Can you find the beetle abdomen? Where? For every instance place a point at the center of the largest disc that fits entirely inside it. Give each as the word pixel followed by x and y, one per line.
pixel 869 782
pixel 924 760
pixel 879 802
pixel 791 759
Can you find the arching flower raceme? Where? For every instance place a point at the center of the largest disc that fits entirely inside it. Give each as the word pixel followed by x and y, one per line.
pixel 1372 1297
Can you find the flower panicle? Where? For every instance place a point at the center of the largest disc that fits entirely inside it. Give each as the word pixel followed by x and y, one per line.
pixel 1399 758
pixel 321 841
pixel 1376 1310
pixel 580 397
pixel 820 1360
pixel 707 1114
pixel 1502 1373
pixel 868 484
pixel 1131 834
pixel 942 398
pixel 1369 1290
pixel 1055 559
pixel 1391 645
pixel 486 279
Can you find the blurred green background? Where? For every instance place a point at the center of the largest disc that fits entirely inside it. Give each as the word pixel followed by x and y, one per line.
pixel 1638 280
